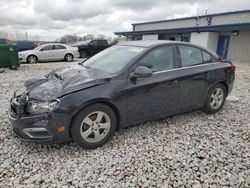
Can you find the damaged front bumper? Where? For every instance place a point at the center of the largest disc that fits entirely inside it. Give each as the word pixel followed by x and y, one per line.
pixel 40 128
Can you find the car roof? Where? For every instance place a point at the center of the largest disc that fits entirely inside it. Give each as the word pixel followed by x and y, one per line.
pixel 151 43
pixel 146 43
pixel 53 43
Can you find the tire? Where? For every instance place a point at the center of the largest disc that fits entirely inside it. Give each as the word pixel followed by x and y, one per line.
pixel 83 54
pixel 69 57
pixel 215 99
pixel 32 59
pixel 93 126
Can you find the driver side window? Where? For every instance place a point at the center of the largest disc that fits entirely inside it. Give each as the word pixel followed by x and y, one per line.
pixel 159 59
pixel 93 43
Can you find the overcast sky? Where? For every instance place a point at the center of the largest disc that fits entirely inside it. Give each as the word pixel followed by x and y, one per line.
pixel 51 19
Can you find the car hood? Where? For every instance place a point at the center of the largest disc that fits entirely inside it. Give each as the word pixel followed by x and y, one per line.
pixel 63 81
pixel 26 52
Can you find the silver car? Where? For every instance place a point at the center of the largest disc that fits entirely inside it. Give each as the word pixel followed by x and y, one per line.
pixel 49 52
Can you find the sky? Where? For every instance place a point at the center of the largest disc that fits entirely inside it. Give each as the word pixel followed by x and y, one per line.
pixel 51 19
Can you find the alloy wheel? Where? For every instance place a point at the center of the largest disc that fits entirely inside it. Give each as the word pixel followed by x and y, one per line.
pixel 69 58
pixel 95 126
pixel 32 59
pixel 216 98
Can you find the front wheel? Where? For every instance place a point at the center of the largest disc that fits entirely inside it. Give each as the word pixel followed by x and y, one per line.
pixel 215 99
pixel 32 59
pixel 93 126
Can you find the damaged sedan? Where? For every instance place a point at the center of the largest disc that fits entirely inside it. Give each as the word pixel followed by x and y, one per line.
pixel 127 84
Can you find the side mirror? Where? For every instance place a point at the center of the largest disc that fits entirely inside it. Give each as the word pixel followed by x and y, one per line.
pixel 41 50
pixel 142 72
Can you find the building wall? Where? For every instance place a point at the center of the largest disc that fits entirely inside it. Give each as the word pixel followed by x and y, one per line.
pixel 150 37
pixel 213 40
pixel 205 39
pixel 200 38
pixel 239 46
pixel 165 25
pixel 193 22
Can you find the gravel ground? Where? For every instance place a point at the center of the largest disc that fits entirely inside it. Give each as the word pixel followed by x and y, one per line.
pixel 190 150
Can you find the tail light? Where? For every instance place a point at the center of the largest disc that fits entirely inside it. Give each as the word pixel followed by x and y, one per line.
pixel 233 68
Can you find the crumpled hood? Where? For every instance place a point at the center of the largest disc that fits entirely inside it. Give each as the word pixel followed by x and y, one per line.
pixel 63 81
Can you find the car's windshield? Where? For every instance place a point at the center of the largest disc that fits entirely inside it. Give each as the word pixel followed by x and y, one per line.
pixel 40 46
pixel 83 42
pixel 113 59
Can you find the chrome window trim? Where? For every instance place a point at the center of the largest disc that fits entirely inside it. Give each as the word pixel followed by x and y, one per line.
pixel 180 68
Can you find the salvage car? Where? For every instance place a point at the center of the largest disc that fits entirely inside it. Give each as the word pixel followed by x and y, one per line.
pixel 49 52
pixel 127 84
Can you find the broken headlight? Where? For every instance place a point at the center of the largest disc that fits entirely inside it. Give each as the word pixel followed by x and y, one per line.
pixel 35 107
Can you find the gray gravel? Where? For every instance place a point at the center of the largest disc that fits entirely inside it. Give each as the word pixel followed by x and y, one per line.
pixel 191 150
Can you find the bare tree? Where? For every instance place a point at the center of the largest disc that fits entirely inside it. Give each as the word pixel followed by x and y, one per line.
pixel 101 36
pixel 16 35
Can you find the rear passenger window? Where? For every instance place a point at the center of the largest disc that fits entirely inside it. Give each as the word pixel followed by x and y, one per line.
pixel 159 59
pixel 207 58
pixel 59 47
pixel 190 56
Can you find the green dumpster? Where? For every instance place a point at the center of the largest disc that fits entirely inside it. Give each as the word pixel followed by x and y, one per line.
pixel 8 56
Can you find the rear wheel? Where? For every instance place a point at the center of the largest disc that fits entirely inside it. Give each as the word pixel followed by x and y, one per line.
pixel 216 99
pixel 32 59
pixel 93 126
pixel 69 57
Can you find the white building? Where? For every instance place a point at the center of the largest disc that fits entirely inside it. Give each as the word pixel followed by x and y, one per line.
pixel 227 33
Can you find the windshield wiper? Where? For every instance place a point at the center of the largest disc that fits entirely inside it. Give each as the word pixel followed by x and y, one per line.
pixel 83 62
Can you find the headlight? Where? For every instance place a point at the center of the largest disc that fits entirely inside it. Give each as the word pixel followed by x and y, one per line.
pixel 35 107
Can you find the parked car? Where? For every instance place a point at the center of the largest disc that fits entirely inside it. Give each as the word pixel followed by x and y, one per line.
pixel 89 48
pixel 49 52
pixel 25 45
pixel 127 84
pixel 5 41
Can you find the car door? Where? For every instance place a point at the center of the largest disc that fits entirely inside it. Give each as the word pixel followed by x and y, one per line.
pixel 102 44
pixel 46 53
pixel 194 76
pixel 59 51
pixel 93 47
pixel 156 96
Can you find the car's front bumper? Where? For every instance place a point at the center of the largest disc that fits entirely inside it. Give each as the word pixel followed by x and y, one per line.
pixel 42 128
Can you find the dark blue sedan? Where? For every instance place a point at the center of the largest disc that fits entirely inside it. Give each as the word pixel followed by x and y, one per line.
pixel 126 84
